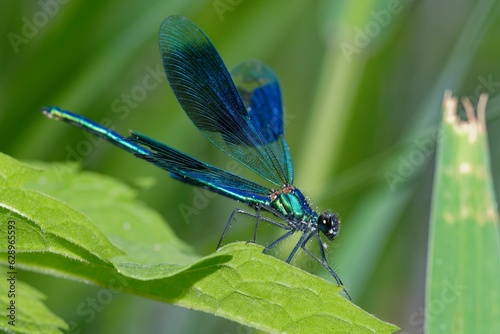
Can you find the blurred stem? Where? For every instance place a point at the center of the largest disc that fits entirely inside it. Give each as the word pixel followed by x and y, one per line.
pixel 484 13
pixel 107 64
pixel 336 89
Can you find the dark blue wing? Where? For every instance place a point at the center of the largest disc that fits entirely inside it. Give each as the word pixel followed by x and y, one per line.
pixel 190 170
pixel 260 90
pixel 207 94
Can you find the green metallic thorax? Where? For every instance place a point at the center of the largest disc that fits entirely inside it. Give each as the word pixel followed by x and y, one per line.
pixel 292 204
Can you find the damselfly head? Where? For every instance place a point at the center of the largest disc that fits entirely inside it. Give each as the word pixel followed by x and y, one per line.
pixel 328 223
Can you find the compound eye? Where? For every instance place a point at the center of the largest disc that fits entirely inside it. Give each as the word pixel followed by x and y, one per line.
pixel 325 220
pixel 329 225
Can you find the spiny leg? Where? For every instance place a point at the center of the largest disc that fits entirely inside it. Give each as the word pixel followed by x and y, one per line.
pixel 324 262
pixel 228 224
pixel 257 216
pixel 275 242
pixel 303 239
pixel 256 224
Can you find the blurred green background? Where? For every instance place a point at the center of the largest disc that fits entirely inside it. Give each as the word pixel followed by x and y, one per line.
pixel 362 85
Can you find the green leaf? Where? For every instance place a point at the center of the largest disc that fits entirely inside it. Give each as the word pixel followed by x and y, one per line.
pixel 463 290
pixel 88 227
pixel 29 314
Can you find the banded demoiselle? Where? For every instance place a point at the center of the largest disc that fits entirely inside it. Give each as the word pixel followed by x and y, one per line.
pixel 242 114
